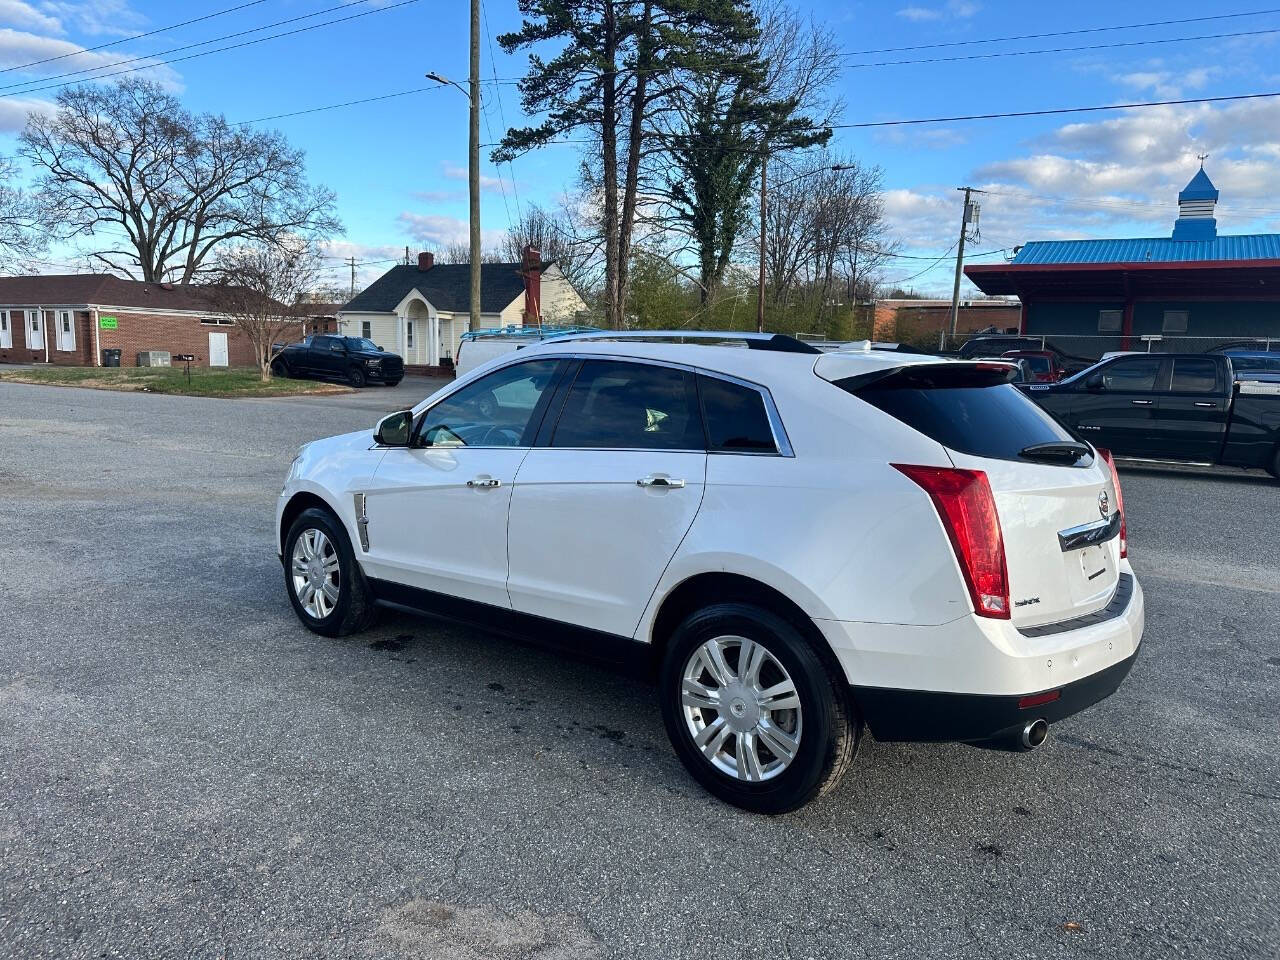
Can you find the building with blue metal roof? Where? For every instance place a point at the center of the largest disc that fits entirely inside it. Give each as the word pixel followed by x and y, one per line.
pixel 1187 291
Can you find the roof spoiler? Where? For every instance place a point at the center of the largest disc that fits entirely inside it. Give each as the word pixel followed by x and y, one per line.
pixel 933 376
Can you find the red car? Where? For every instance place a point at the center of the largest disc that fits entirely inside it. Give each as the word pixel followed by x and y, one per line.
pixel 1044 364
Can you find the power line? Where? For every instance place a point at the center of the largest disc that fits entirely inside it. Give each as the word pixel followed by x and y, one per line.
pixel 1055 111
pixel 997 54
pixel 933 266
pixel 1065 33
pixel 502 114
pixel 1001 53
pixel 151 58
pixel 136 36
pixel 233 46
pixel 348 103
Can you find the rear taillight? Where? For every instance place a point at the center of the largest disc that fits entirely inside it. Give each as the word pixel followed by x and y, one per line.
pixel 1105 454
pixel 968 511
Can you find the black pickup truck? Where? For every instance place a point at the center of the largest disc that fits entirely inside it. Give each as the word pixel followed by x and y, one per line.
pixel 1171 406
pixel 354 359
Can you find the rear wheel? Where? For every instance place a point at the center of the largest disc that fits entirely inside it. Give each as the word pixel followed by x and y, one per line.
pixel 752 711
pixel 324 582
pixel 356 377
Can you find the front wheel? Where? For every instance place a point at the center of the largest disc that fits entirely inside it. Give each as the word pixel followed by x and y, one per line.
pixel 752 711
pixel 325 585
pixel 356 377
pixel 279 368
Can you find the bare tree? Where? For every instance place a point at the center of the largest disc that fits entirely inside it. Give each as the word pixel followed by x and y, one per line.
pixel 825 237
pixel 552 234
pixel 173 187
pixel 21 233
pixel 265 288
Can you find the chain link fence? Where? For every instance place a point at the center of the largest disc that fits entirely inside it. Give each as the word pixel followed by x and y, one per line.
pixel 1095 346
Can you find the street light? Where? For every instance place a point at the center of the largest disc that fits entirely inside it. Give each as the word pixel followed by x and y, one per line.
pixel 473 159
pixel 763 195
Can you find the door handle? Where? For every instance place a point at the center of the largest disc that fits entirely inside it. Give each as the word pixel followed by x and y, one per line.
pixel 484 482
pixel 1142 403
pixel 1205 403
pixel 659 482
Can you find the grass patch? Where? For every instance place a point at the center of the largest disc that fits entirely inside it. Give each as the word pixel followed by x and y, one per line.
pixel 205 382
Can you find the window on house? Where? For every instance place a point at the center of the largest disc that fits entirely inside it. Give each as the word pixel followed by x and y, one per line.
pixel 366 329
pixel 1110 321
pixel 1175 321
pixel 408 334
pixel 217 321
pixel 6 337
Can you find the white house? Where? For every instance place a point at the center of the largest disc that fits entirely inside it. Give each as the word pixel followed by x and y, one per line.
pixel 420 311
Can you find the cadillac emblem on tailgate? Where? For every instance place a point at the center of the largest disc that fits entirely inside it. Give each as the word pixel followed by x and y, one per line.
pixel 1104 504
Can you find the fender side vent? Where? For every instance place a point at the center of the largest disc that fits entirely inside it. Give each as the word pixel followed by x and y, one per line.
pixel 362 522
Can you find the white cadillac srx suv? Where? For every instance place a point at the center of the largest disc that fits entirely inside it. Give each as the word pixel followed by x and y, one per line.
pixel 801 543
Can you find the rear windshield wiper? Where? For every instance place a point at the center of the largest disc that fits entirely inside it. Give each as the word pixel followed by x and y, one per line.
pixel 1056 451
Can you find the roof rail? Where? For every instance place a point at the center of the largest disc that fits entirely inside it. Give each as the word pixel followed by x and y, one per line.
pixel 530 332
pixel 775 342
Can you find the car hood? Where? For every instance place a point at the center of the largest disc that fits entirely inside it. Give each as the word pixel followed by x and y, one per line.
pixel 374 355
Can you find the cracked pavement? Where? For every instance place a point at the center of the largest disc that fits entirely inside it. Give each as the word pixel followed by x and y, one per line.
pixel 186 772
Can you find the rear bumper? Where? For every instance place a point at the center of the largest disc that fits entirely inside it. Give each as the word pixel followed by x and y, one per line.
pixel 962 680
pixel 925 715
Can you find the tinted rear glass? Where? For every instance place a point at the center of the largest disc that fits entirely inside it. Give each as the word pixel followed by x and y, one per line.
pixel 736 417
pixel 985 421
pixel 1195 376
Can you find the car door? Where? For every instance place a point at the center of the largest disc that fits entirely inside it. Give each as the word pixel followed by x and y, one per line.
pixel 1116 406
pixel 604 499
pixel 1191 418
pixel 331 360
pixel 436 511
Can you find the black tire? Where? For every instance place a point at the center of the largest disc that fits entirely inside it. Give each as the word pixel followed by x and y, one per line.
pixel 828 732
pixel 356 377
pixel 1274 469
pixel 279 368
pixel 354 609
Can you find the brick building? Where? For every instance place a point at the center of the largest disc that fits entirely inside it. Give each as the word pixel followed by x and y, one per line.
pixel 70 319
pixel 921 321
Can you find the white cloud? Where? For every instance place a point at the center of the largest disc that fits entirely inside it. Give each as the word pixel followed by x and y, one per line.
pixel 113 18
pixel 434 231
pixel 18 47
pixel 953 9
pixel 460 173
pixel 17 13
pixel 15 110
pixel 1117 177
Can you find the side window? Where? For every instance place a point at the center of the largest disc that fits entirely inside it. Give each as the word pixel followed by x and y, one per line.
pixel 1110 321
pixel 1195 376
pixel 495 411
pixel 630 406
pixel 336 345
pixel 736 418
pixel 1136 375
pixel 1175 321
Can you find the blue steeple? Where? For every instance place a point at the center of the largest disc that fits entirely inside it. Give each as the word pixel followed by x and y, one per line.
pixel 1200 188
pixel 1195 209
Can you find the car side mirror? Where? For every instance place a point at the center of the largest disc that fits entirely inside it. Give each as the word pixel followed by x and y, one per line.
pixel 381 348
pixel 1094 382
pixel 395 429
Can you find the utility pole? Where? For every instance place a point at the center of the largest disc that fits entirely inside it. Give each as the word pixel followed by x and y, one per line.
pixel 965 219
pixel 764 187
pixel 352 261
pixel 473 165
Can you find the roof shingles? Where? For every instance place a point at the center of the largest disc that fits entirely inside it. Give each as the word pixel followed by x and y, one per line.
pixel 446 286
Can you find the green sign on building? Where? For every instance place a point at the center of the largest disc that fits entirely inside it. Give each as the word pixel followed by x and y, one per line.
pixel 108 323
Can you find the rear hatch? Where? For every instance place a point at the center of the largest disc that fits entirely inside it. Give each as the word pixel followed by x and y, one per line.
pixel 1055 499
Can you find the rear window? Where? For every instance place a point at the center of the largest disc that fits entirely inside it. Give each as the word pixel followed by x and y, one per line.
pixel 993 420
pixel 1195 376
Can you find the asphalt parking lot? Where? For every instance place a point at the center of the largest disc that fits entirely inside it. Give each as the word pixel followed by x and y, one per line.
pixel 186 772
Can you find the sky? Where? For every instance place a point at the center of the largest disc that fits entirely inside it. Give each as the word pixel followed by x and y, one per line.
pixel 398 165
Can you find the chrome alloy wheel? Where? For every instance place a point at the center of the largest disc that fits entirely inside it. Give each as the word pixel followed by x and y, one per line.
pixel 741 708
pixel 316 573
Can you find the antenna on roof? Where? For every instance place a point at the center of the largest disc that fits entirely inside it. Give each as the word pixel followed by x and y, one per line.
pixel 1202 157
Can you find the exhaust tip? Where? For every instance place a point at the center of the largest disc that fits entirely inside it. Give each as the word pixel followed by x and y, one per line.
pixel 1034 733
